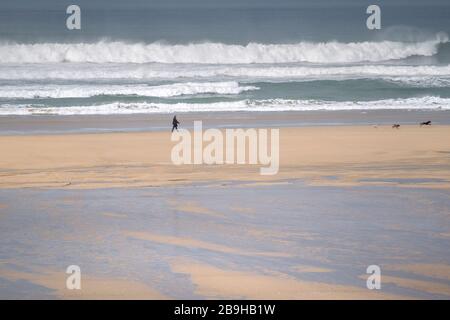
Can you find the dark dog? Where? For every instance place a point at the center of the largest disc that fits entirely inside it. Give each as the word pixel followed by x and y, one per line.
pixel 396 126
pixel 426 123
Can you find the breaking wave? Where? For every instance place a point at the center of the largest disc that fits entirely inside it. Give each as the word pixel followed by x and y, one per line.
pixel 218 53
pixel 423 103
pixel 85 91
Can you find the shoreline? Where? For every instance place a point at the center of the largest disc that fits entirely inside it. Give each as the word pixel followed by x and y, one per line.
pixel 58 124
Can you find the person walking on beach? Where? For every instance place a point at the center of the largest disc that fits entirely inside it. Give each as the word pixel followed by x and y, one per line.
pixel 175 123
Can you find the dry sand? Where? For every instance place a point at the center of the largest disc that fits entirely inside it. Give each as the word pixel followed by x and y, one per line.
pixel 320 155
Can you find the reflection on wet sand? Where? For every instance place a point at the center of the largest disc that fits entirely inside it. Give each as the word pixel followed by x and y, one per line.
pixel 290 240
pixel 419 285
pixel 216 283
pixel 310 269
pixel 92 288
pixel 192 243
pixel 438 271
pixel 114 215
pixel 192 207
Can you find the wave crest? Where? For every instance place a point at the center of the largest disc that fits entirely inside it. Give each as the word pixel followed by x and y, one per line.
pixel 217 53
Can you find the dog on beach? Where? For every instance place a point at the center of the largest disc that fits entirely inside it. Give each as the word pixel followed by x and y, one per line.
pixel 395 126
pixel 426 123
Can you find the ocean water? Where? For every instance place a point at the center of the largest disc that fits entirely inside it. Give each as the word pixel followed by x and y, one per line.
pixel 138 58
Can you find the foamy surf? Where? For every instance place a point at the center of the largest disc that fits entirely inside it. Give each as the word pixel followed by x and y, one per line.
pixel 143 90
pixel 217 53
pixel 112 77
pixel 248 73
pixel 268 105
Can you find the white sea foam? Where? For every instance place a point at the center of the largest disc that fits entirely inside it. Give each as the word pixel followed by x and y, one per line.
pixel 420 82
pixel 150 72
pixel 217 53
pixel 423 103
pixel 84 91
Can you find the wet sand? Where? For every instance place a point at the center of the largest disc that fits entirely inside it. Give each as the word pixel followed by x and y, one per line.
pixel 92 288
pixel 280 241
pixel 48 124
pixel 332 155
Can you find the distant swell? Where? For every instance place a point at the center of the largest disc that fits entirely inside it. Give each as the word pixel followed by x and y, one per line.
pixel 217 53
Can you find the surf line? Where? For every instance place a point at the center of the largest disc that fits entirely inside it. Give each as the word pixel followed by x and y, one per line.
pixel 229 148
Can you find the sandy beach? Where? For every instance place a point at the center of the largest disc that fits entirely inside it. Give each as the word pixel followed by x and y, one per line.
pixel 331 155
pixel 141 227
pixel 320 167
